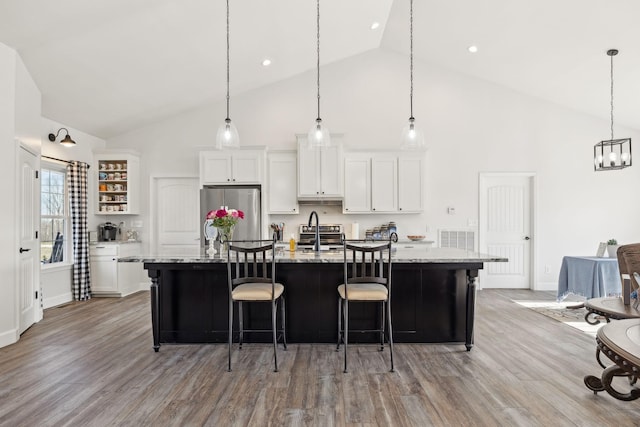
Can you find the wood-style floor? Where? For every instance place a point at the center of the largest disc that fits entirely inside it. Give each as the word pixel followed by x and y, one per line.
pixel 92 364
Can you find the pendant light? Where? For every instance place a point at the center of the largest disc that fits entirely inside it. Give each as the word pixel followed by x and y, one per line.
pixel 319 134
pixel 613 153
pixel 227 137
pixel 412 138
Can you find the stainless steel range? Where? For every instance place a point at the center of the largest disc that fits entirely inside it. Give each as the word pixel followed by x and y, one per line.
pixel 330 236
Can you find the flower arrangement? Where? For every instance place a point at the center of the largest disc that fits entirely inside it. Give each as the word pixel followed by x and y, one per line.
pixel 225 219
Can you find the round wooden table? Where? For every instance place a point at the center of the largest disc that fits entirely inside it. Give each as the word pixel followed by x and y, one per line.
pixel 620 342
pixel 609 308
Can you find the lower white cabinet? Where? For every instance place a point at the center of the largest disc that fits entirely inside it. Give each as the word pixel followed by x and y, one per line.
pixel 108 276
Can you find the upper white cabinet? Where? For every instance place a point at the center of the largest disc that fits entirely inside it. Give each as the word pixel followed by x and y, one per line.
pixel 384 182
pixel 320 171
pixel 410 184
pixel 357 188
pixel 232 167
pixel 282 184
pixel 118 183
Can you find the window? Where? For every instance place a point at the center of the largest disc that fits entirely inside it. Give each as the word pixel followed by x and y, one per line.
pixel 53 215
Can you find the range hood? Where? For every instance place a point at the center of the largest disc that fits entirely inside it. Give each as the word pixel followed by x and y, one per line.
pixel 320 202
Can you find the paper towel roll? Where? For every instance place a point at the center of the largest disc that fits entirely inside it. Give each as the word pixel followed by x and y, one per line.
pixel 355 230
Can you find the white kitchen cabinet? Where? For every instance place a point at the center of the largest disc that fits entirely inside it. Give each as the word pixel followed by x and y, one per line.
pixel 320 171
pixel 357 184
pixel 282 184
pixel 383 182
pixel 244 166
pixel 118 182
pixel 410 184
pixel 108 276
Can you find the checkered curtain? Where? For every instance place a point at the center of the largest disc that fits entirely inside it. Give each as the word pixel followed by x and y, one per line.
pixel 77 185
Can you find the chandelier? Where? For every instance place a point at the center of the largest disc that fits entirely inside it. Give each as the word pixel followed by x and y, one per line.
pixel 613 153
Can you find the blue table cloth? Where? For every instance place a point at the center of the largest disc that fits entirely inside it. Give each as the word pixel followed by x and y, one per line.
pixel 590 277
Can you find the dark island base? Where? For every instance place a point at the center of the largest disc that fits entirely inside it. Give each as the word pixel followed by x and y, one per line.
pixel 431 303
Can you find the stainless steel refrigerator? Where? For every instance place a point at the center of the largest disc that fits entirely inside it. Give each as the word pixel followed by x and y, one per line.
pixel 241 197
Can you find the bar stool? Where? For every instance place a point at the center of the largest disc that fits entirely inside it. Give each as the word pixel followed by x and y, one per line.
pixel 367 278
pixel 251 272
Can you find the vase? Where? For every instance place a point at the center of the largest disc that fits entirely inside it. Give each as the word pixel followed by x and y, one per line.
pixel 225 235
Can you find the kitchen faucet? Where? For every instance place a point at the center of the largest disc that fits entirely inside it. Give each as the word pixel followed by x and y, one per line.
pixel 316 245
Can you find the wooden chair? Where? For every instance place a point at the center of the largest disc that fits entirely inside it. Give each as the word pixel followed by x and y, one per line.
pixel 251 272
pixel 367 278
pixel 618 307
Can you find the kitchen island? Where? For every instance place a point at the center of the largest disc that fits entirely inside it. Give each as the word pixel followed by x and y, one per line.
pixel 432 298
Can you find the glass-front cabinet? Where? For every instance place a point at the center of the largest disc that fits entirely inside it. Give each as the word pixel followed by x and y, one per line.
pixel 117 183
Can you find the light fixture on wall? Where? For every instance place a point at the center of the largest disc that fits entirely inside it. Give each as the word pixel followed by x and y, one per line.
pixel 319 134
pixel 66 141
pixel 227 136
pixel 412 138
pixel 613 153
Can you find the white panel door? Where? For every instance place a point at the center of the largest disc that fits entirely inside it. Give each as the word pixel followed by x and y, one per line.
pixel 29 251
pixel 246 167
pixel 177 210
pixel 505 218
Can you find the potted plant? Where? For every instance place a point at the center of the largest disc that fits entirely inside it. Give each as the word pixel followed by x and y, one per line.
pixel 612 248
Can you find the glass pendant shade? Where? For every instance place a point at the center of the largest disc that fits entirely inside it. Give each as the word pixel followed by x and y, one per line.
pixel 319 136
pixel 412 137
pixel 227 137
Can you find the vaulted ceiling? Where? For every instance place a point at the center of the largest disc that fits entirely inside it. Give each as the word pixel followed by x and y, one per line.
pixel 109 66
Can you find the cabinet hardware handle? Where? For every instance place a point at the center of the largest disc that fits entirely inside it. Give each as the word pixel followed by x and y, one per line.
pixel 24 250
pixel 234 179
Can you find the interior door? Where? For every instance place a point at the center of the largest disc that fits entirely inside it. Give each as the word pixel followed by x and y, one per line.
pixel 29 248
pixel 176 216
pixel 505 229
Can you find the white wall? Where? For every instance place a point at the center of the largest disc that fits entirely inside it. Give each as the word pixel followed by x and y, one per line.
pixel 471 126
pixel 8 257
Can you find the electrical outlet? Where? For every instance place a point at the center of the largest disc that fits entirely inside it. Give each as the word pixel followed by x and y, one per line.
pixel 451 210
pixel 547 269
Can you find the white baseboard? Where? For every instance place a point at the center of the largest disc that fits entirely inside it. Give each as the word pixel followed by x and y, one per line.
pixel 546 286
pixel 9 337
pixel 57 300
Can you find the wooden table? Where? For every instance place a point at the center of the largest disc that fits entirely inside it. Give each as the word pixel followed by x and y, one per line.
pixel 609 308
pixel 620 342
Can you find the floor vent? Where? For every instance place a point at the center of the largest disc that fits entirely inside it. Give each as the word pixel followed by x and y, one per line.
pixel 461 239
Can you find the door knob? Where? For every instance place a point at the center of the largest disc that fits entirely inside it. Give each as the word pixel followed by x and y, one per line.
pixel 526 238
pixel 24 250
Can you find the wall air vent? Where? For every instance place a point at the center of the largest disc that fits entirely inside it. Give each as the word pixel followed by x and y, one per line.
pixel 460 239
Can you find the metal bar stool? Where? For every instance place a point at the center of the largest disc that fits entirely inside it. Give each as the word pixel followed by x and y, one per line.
pixel 251 272
pixel 367 278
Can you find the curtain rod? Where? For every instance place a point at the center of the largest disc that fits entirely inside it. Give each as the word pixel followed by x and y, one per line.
pixel 60 160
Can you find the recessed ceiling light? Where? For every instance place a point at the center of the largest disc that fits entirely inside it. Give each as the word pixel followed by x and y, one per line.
pixel 266 62
pixel 472 49
pixel 374 25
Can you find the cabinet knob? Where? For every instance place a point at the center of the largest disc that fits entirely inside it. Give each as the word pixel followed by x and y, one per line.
pixel 399 209
pixel 373 209
pixel 323 192
pixel 233 179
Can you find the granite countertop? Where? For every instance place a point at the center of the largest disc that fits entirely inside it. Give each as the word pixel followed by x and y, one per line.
pixel 415 255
